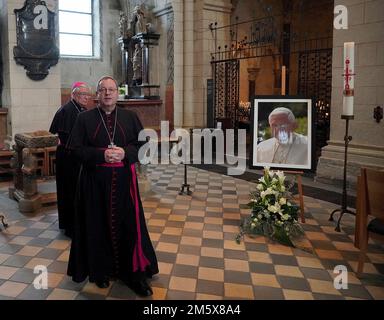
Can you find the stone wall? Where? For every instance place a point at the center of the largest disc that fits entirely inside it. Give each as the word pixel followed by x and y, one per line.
pixel 366 29
pixel 31 104
pixel 159 73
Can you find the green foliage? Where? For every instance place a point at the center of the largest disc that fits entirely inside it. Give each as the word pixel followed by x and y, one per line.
pixel 302 126
pixel 272 214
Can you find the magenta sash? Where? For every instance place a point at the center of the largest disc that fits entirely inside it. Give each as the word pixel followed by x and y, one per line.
pixel 139 259
pixel 112 165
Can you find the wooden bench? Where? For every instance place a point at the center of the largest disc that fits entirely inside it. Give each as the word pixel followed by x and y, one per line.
pixel 5 161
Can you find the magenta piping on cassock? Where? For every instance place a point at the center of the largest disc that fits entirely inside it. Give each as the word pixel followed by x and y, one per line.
pixel 139 259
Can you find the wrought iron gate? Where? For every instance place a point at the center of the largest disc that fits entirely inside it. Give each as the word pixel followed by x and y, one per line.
pixel 226 98
pixel 315 80
pixel 314 73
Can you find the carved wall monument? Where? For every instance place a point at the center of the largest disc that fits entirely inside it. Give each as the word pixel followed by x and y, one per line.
pixel 36 46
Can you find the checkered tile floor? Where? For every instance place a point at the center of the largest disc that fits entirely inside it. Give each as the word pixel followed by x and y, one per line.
pixel 198 256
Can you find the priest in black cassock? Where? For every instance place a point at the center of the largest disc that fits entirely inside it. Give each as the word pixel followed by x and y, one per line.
pixel 67 167
pixel 111 240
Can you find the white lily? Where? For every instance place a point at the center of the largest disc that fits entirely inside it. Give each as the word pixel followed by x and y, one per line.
pixel 281 176
pixel 285 217
pixel 263 194
pixel 275 208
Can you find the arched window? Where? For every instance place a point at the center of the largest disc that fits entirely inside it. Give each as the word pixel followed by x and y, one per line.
pixel 78 28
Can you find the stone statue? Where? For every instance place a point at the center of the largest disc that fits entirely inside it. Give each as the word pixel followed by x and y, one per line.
pixel 136 66
pixel 140 26
pixel 123 25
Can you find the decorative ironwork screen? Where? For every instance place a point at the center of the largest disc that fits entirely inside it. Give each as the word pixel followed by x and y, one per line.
pixel 315 81
pixel 170 48
pixel 226 77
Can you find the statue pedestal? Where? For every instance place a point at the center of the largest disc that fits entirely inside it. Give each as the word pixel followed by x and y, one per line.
pixel 144 107
pixel 25 164
pixel 150 92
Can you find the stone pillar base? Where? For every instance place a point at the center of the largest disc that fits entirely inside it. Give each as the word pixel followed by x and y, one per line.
pixel 330 168
pixel 26 205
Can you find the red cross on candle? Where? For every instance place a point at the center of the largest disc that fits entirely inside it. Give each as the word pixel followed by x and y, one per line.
pixel 347 75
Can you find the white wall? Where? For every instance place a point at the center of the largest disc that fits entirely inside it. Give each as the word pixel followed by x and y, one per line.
pixel 109 63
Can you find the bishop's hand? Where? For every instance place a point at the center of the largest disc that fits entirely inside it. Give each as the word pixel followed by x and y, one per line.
pixel 113 155
pixel 118 153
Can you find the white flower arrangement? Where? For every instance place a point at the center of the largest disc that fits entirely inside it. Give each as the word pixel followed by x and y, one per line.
pixel 272 215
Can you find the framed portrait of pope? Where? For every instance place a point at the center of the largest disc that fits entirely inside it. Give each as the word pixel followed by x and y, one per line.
pixel 281 132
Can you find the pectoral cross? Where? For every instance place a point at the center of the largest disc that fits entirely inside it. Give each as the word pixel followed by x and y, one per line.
pixel 111 145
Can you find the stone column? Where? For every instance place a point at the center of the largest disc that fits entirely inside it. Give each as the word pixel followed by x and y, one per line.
pixel 366 29
pixel 145 63
pixel 124 47
pixel 206 12
pixel 189 64
pixel 31 104
pixel 253 71
pixel 178 9
pixel 164 68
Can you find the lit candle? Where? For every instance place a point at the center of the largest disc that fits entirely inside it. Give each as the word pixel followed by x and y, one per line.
pixel 349 73
pixel 283 75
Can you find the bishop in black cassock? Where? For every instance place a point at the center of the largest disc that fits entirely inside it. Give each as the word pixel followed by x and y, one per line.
pixel 111 240
pixel 67 167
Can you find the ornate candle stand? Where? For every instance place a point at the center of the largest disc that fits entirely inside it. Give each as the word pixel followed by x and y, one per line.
pixel 344 209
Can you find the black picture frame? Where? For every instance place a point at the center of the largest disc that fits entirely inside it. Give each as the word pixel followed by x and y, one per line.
pixel 295 158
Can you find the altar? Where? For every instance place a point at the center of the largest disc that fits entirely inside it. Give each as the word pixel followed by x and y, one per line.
pixel 149 111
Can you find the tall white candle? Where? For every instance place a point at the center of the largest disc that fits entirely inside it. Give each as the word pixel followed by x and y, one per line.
pixel 348 75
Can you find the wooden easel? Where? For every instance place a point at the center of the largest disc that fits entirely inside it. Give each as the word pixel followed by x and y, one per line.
pixel 299 196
